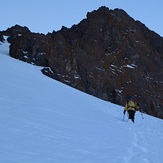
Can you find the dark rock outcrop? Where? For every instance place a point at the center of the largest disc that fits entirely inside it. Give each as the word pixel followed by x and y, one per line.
pixel 27 46
pixel 108 55
pixel 1 37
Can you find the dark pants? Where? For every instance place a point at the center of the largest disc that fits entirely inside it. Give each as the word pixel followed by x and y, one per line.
pixel 131 115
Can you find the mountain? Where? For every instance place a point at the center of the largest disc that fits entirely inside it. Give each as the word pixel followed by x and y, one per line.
pixel 108 55
pixel 45 121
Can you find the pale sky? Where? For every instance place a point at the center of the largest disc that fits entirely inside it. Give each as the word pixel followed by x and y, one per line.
pixel 44 16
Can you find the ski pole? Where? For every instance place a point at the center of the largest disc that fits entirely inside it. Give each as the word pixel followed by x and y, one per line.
pixel 142 115
pixel 123 116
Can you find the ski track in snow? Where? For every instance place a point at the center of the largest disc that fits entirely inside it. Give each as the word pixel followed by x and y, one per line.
pixel 138 150
pixel 44 121
pixel 144 146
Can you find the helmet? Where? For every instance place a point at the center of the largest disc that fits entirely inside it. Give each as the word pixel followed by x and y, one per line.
pixel 131 98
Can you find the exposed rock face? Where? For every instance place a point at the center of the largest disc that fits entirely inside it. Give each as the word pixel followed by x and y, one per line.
pixel 108 55
pixel 27 46
pixel 1 37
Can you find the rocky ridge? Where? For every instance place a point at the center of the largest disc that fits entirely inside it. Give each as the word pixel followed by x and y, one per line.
pixel 108 55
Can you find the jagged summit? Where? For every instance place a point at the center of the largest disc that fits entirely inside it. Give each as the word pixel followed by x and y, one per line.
pixel 16 29
pixel 105 11
pixel 108 55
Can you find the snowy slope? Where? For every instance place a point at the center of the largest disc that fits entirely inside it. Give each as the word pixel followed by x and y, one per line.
pixel 44 121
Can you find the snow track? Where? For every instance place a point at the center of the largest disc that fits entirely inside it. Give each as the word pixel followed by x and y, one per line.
pixel 138 149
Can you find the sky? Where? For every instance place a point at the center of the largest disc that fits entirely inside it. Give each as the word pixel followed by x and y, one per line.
pixel 51 122
pixel 44 16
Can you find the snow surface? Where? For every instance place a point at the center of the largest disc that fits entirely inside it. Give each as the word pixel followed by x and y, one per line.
pixel 45 121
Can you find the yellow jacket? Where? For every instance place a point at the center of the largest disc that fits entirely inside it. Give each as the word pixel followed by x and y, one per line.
pixel 131 105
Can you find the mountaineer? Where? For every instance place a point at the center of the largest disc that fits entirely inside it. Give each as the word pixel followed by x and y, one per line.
pixel 131 107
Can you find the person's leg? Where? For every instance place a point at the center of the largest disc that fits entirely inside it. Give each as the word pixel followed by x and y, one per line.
pixel 131 114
